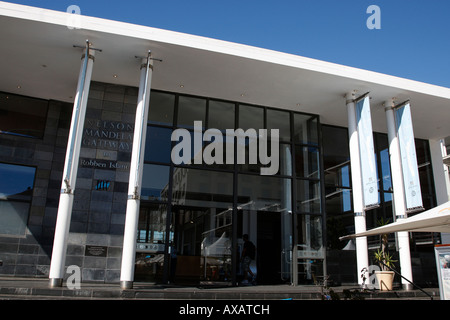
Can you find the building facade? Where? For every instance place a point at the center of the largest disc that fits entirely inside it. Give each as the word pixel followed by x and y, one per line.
pixel 193 214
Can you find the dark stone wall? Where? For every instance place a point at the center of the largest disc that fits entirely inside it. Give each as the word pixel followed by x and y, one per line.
pixel 98 215
pixel 29 255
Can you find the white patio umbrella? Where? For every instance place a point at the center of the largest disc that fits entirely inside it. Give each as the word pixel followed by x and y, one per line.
pixel 433 220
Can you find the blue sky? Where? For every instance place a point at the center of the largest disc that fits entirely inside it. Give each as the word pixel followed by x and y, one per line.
pixel 413 42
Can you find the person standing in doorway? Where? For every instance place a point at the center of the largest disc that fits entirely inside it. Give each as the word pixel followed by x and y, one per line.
pixel 248 254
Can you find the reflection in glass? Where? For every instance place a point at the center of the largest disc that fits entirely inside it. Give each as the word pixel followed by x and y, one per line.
pixel 385 170
pixel 202 188
pixel 158 144
pixel 221 115
pixel 253 164
pixel 202 242
pixel 16 191
pixel 264 193
pixel 265 206
pixel 13 217
pixel 16 182
pixel 285 164
pixel 191 109
pixel 338 200
pixel 308 196
pixel 305 129
pixel 251 117
pixel 151 243
pixel 310 243
pixel 155 182
pixel 161 108
pixel 310 251
pixel 280 120
pixel 22 116
pixel 307 162
pixel 152 225
pixel 336 156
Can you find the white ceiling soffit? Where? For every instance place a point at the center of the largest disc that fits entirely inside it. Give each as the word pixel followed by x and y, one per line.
pixel 39 56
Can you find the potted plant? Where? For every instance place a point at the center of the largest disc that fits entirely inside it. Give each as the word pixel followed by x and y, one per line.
pixel 385 277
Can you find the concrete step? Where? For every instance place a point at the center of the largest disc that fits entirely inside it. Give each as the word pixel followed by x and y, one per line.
pixel 24 288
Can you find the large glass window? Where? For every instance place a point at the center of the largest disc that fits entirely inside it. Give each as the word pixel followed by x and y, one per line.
pixel 340 219
pixel 202 200
pixel 16 190
pixel 22 116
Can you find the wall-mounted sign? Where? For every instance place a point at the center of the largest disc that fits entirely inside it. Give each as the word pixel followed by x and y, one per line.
pixel 442 253
pixel 102 185
pixel 104 164
pixel 367 154
pixel 150 247
pixel 108 135
pixel 96 251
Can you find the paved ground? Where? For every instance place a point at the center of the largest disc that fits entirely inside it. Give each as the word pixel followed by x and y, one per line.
pixel 38 289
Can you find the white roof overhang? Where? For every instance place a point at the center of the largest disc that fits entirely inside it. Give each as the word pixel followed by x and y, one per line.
pixel 38 55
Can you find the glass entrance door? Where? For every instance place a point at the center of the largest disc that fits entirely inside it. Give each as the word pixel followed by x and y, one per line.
pixel 150 243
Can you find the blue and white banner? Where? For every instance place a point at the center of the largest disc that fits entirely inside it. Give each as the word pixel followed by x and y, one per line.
pixel 411 182
pixel 367 154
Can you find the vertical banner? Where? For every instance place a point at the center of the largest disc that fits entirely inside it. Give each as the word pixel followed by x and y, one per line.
pixel 442 253
pixel 411 182
pixel 367 153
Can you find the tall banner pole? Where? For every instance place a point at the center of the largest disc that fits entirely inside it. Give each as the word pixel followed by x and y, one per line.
pixel 57 264
pixel 398 193
pixel 362 257
pixel 135 182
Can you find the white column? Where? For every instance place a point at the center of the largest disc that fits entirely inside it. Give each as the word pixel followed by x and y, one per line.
pixel 440 170
pixel 446 169
pixel 398 194
pixel 135 181
pixel 70 170
pixel 440 177
pixel 362 257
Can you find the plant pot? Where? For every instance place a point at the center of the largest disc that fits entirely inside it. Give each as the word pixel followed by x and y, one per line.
pixel 385 279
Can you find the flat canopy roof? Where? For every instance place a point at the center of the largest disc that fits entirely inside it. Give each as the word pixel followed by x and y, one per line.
pixel 38 54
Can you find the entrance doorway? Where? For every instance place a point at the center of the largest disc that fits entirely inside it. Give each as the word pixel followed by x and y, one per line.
pixel 194 245
pixel 269 244
pixel 271 232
